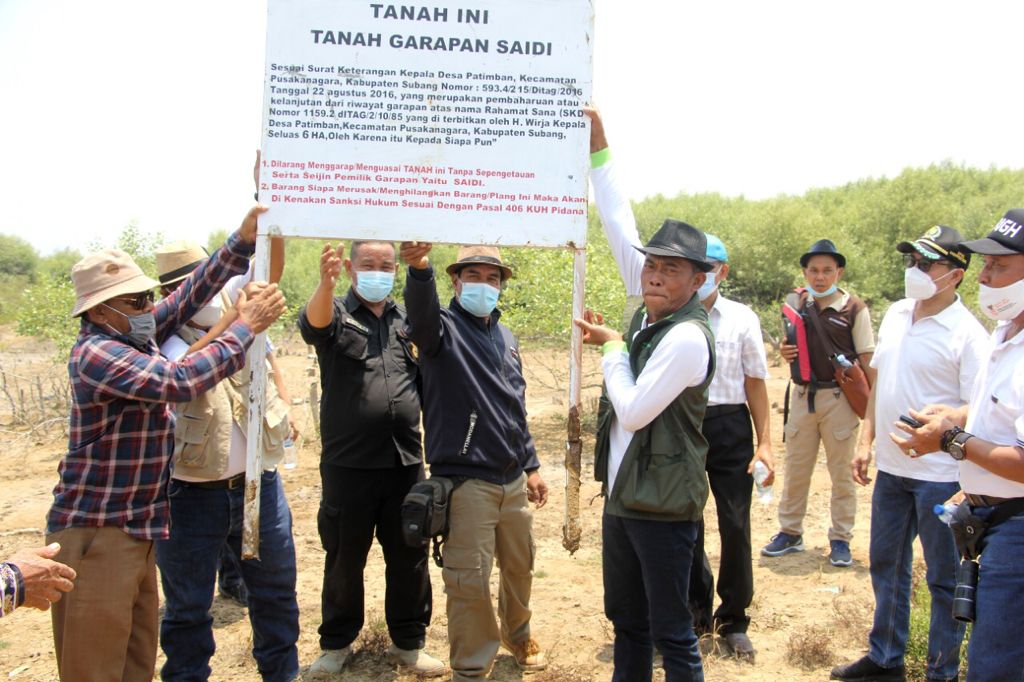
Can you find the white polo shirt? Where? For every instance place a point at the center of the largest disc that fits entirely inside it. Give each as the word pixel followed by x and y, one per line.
pixel 997 412
pixel 934 360
pixel 739 351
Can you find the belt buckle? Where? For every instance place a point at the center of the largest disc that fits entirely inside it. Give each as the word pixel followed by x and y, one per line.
pixel 236 481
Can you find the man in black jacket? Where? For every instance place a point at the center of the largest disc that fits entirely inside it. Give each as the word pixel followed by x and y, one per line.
pixel 474 414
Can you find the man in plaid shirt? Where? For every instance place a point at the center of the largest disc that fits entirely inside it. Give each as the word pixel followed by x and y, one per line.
pixel 111 500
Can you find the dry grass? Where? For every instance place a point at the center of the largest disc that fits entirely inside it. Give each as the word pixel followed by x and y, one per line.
pixel 811 648
pixel 853 618
pixel 557 673
pixel 373 641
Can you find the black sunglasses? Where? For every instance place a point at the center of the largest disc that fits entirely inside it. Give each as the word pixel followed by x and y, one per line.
pixel 920 263
pixel 137 301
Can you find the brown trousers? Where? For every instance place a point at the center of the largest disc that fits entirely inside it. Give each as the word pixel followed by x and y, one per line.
pixel 836 425
pixel 106 628
pixel 488 521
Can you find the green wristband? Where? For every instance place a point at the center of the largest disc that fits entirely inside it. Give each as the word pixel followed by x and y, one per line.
pixel 600 157
pixel 613 347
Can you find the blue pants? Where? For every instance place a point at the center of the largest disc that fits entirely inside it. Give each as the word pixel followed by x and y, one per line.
pixel 646 580
pixel 902 508
pixel 201 522
pixel 996 649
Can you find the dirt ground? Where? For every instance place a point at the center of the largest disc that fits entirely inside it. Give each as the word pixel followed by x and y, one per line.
pixel 801 602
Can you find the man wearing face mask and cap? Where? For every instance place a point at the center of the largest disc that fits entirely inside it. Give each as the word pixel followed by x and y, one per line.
pixel 929 351
pixel 474 413
pixel 371 455
pixel 207 496
pixel 986 439
pixel 111 501
pixel 837 323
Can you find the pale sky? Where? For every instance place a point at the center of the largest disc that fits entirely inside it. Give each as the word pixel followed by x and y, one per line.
pixel 118 110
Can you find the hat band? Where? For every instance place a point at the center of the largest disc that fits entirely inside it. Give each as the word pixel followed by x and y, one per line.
pixel 952 255
pixel 481 259
pixel 179 272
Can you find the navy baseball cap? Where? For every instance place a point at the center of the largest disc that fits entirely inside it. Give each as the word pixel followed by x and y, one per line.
pixel 1005 239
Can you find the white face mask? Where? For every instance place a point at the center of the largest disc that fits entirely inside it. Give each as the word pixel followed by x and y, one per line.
pixel 919 286
pixel 1004 303
pixel 209 314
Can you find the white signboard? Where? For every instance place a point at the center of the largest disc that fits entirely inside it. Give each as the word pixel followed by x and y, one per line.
pixel 452 121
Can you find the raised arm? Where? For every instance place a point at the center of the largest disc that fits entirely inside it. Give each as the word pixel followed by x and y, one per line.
pixel 320 309
pixel 423 310
pixel 614 208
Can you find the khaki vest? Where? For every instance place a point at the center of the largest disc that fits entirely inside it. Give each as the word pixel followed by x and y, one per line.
pixel 202 432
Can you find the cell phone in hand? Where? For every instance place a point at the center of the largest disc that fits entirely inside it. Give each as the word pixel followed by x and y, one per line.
pixel 910 421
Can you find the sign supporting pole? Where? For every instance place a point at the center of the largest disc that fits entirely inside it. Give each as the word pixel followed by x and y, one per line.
pixel 256 366
pixel 571 530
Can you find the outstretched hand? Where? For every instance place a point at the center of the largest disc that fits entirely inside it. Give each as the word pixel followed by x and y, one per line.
pixel 247 231
pixel 415 254
pixel 330 264
pixel 45 580
pixel 594 331
pixel 260 309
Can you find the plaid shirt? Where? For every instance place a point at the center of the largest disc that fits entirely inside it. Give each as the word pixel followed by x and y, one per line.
pixel 122 428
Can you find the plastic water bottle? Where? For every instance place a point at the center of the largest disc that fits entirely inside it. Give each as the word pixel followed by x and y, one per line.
pixel 764 492
pixel 945 512
pixel 291 459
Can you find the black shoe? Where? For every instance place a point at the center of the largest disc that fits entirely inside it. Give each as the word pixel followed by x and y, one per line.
pixel 235 592
pixel 866 670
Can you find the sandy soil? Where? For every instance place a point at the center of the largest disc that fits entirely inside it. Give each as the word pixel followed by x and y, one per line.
pixel 799 598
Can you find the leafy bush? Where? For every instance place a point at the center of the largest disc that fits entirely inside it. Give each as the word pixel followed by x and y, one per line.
pixel 17 256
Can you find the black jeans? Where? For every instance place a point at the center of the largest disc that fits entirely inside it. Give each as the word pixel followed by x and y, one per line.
pixel 646 567
pixel 356 503
pixel 730 449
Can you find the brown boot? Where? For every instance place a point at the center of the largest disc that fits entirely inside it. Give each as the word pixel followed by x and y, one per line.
pixel 528 655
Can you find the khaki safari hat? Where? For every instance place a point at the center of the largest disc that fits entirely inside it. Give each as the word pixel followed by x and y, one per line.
pixel 104 275
pixel 484 255
pixel 176 261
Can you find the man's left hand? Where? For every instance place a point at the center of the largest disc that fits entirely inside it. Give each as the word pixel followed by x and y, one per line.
pixel 247 231
pixel 536 489
pixel 293 424
pixel 764 454
pixel 594 331
pixel 927 437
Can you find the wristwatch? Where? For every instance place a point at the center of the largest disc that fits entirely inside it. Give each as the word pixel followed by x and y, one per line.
pixel 954 443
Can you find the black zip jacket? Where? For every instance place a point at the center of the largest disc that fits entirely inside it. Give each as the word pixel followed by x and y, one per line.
pixel 474 394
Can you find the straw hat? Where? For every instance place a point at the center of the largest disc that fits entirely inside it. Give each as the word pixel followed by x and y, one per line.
pixel 176 261
pixel 104 275
pixel 485 255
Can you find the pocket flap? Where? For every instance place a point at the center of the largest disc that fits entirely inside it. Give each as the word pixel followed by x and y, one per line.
pixel 461 559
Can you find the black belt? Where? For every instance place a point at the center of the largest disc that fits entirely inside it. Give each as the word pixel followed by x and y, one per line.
pixel 236 481
pixel 722 410
pixel 987 500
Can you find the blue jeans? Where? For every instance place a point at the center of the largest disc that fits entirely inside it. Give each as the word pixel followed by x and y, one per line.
pixel 996 649
pixel 902 508
pixel 201 522
pixel 646 581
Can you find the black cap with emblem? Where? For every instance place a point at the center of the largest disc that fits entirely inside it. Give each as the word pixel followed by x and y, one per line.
pixel 1005 239
pixel 938 242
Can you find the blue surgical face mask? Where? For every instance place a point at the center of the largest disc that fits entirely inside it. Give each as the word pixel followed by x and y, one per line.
pixel 478 298
pixel 710 285
pixel 828 292
pixel 141 328
pixel 374 286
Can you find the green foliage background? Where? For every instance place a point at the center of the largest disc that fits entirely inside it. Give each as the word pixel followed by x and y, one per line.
pixel 866 219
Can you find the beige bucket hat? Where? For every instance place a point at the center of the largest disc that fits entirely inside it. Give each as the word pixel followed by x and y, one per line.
pixel 176 261
pixel 104 275
pixel 486 255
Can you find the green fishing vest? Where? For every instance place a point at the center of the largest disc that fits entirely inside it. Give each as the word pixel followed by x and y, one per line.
pixel 662 474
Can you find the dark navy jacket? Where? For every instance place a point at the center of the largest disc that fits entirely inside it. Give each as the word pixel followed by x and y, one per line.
pixel 474 394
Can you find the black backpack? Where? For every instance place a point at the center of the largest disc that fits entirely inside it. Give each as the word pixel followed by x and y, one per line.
pixel 425 514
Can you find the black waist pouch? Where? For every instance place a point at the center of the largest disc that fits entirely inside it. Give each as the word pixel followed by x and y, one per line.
pixel 425 513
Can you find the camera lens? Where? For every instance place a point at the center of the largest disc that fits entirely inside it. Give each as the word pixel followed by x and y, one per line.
pixel 963 596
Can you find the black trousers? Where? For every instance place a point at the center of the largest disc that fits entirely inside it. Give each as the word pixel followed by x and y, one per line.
pixel 356 504
pixel 730 449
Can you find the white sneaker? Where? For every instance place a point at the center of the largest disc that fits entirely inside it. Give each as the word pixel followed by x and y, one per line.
pixel 417 661
pixel 331 660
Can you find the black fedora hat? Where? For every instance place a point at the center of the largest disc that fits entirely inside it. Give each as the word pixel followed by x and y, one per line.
pixel 823 247
pixel 677 239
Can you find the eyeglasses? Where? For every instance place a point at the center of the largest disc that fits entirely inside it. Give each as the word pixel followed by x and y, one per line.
pixel 920 263
pixel 137 301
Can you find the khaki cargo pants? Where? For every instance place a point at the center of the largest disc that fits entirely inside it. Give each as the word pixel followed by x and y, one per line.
pixel 835 424
pixel 488 522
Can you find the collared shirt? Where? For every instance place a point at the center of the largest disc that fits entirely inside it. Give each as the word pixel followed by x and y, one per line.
pixel 739 351
pixel 931 361
pixel 997 412
pixel 370 405
pixel 122 429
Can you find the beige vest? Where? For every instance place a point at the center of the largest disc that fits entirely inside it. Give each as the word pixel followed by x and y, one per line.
pixel 202 433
